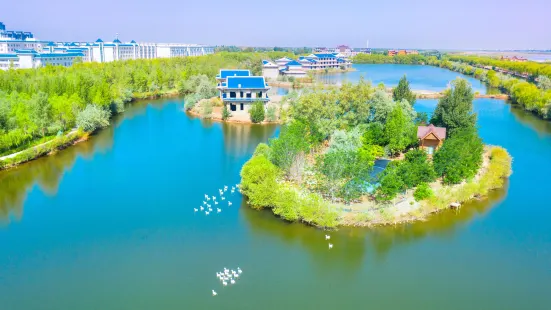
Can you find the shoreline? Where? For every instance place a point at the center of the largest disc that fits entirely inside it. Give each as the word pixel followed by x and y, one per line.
pixel 16 159
pixel 420 94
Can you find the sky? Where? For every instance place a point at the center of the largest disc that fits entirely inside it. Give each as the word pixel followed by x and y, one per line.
pixel 423 24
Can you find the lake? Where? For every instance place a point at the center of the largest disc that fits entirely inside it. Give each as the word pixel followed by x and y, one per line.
pixel 109 224
pixel 419 77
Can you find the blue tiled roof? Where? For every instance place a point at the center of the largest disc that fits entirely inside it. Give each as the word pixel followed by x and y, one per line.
pixel 25 51
pixel 8 55
pixel 51 44
pixel 325 55
pixel 340 60
pixel 227 73
pixel 99 41
pixel 117 41
pixel 294 63
pixel 246 82
pixel 51 55
pixel 134 42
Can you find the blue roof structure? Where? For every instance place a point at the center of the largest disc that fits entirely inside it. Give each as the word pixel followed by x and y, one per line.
pixel 233 72
pixel 325 55
pixel 340 60
pixel 99 41
pixel 133 42
pixel 117 41
pixel 294 63
pixel 51 44
pixel 246 82
pixel 8 56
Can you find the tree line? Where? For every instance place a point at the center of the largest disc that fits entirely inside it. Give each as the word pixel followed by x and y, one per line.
pixel 37 104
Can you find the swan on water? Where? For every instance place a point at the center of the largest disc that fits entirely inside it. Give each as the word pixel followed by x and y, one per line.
pixel 206 196
pixel 218 210
pixel 239 270
pixel 208 206
pixel 204 202
pixel 195 210
pixel 201 208
pixel 330 245
pixel 214 293
pixel 232 281
pixel 237 275
pixel 216 202
pixel 327 237
pixel 223 198
pixel 207 212
pixel 229 203
pixel 225 283
pixel 213 197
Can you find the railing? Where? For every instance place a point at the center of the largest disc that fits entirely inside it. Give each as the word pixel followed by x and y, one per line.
pixel 245 99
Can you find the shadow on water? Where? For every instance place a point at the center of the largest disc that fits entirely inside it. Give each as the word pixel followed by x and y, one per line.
pixel 542 127
pixel 352 244
pixel 47 172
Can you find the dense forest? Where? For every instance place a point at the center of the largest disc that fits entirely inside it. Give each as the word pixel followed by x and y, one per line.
pixel 38 104
pixel 327 148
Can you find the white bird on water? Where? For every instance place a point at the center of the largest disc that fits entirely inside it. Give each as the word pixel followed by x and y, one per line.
pixel 223 198
pixel 218 210
pixel 207 212
pixel 216 202
pixel 201 208
pixel 239 270
pixel 327 237
pixel 232 281
pixel 213 197
pixel 208 198
pixel 229 203
pixel 208 205
pixel 204 202
pixel 330 245
pixel 214 293
pixel 195 210
pixel 225 283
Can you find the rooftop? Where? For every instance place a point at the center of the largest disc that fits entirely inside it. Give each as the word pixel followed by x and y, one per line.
pixel 424 131
pixel 224 73
pixel 246 82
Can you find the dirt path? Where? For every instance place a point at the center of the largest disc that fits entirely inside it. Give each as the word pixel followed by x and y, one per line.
pixel 45 143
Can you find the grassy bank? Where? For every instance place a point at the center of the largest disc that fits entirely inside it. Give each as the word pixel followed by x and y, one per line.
pixel 44 149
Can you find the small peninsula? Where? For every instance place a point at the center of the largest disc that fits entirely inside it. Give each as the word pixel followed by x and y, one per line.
pixel 358 156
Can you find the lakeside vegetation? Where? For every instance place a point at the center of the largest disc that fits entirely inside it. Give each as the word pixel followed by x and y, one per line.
pixel 37 105
pixel 532 94
pixel 325 155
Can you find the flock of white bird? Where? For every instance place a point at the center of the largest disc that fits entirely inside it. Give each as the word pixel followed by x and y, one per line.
pixel 209 201
pixel 228 276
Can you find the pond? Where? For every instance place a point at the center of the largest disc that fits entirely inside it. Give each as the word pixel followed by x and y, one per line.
pixel 109 224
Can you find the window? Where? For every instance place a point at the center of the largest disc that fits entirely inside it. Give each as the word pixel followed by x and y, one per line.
pixel 232 94
pixel 259 95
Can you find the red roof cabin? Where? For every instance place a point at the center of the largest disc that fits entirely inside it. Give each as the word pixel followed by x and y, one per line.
pixel 430 137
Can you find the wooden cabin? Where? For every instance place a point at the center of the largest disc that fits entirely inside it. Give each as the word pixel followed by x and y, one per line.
pixel 430 137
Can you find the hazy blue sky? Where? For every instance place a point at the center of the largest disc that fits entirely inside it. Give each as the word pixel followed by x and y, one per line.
pixel 465 24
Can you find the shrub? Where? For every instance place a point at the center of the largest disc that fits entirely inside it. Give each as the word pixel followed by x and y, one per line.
pixel 190 101
pixel 422 192
pixel 258 182
pixel 257 112
pixel 93 117
pixel 206 111
pixel 262 149
pixel 225 113
pixel 271 113
pixel 460 156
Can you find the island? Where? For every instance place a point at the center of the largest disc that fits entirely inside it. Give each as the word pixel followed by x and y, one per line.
pixel 358 156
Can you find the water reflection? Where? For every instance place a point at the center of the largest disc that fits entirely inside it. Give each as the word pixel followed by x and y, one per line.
pixel 242 139
pixel 542 127
pixel 47 172
pixel 352 243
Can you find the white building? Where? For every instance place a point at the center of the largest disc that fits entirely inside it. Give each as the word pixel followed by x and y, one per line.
pixel 239 90
pixel 17 44
pixel 270 70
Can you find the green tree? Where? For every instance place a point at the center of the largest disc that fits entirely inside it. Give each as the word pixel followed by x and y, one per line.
pixel 402 91
pixel 256 112
pixel 259 181
pixel 455 109
pixel 460 156
pixel 422 192
pixel 40 111
pixel 398 131
pixel 286 148
pixel 93 117
pixel 225 113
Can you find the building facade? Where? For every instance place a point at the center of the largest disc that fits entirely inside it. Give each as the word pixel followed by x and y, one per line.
pixel 239 90
pixel 16 47
pixel 299 68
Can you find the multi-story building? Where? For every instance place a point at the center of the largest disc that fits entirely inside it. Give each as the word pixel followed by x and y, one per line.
pixel 298 68
pixel 343 50
pixel 402 52
pixel 239 90
pixel 13 44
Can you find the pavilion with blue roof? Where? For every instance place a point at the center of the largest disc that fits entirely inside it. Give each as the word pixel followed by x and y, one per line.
pixel 239 90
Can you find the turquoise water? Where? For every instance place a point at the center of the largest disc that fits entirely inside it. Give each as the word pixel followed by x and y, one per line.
pixel 109 224
pixel 419 77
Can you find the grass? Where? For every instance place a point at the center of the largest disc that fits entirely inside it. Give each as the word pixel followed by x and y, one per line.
pixel 27 145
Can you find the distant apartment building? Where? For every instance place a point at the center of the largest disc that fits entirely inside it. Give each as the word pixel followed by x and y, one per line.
pixel 344 50
pixel 36 53
pixel 402 52
pixel 239 90
pixel 299 68
pixel 513 59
